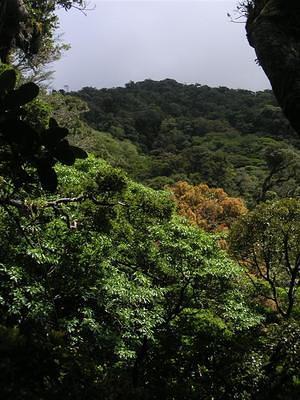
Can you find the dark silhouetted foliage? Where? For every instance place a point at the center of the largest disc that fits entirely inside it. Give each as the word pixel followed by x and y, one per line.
pixel 23 147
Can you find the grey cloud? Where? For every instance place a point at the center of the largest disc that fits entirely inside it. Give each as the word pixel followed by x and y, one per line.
pixel 190 41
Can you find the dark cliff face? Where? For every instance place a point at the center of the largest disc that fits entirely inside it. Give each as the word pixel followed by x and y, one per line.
pixel 273 30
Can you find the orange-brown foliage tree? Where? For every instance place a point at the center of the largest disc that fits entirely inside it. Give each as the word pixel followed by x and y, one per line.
pixel 210 208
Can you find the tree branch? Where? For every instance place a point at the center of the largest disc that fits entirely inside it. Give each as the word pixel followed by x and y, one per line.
pixel 55 203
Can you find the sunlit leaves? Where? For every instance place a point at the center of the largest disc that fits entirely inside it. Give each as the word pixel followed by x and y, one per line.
pixel 98 292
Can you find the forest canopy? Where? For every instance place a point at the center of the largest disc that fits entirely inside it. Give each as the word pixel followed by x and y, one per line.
pixel 234 139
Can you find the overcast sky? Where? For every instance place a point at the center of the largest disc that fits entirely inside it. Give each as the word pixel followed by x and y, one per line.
pixel 190 41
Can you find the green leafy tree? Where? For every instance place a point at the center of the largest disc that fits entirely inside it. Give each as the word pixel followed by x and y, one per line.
pixel 115 316
pixel 266 241
pixel 284 167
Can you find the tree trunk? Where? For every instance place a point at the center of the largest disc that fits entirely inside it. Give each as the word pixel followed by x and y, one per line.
pixel 273 30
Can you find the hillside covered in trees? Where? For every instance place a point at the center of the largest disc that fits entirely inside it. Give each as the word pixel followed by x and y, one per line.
pixel 234 139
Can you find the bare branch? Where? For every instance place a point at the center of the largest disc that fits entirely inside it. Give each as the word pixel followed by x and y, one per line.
pixel 55 203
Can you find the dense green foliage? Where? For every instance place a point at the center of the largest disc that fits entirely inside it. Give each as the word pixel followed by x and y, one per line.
pixel 113 289
pixel 219 136
pixel 106 293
